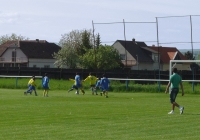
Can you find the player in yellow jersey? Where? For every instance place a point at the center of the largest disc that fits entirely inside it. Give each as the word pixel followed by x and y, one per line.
pixel 30 81
pixel 31 86
pixel 92 79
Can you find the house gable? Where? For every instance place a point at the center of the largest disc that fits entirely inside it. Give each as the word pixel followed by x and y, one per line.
pixel 5 45
pixel 135 50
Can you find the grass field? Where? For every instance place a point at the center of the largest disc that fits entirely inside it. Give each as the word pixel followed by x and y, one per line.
pixel 122 116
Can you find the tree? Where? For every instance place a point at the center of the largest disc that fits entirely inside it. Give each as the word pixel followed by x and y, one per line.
pixel 86 44
pixel 73 45
pixel 193 66
pixel 97 41
pixel 107 58
pixel 78 39
pixel 13 37
pixel 66 58
pixel 189 55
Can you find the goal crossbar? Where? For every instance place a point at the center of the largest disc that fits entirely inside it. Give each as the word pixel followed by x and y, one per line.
pixel 182 61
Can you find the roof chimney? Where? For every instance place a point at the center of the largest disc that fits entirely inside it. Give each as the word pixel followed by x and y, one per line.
pixel 133 40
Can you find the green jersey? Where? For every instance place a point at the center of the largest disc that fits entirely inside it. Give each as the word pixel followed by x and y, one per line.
pixel 175 80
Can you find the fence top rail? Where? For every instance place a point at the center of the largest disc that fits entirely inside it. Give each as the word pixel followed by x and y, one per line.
pixel 13 76
pixel 126 79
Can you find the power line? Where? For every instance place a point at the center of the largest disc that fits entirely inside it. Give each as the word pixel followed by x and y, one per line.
pixel 178 42
pixel 122 22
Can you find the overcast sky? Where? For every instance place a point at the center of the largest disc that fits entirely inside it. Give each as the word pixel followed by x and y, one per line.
pixel 49 19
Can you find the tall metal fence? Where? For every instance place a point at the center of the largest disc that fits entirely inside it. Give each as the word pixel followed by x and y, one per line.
pixel 56 73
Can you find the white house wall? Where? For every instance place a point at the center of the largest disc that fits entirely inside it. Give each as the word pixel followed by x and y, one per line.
pixel 41 63
pixel 145 66
pixel 20 56
pixel 130 59
pixel 183 66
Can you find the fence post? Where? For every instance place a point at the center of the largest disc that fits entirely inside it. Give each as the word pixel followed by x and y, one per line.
pixel 193 79
pixel 127 82
pixel 16 82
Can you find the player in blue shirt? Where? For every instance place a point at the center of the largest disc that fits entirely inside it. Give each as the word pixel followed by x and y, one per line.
pixel 45 85
pixel 105 85
pixel 98 85
pixel 77 82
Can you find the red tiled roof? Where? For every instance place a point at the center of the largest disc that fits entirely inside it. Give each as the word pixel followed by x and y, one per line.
pixel 5 45
pixel 167 53
pixel 171 55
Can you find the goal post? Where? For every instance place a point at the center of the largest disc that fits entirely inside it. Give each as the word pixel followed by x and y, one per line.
pixel 183 61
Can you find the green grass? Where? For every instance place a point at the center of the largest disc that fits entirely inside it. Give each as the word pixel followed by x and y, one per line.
pixel 122 116
pixel 115 86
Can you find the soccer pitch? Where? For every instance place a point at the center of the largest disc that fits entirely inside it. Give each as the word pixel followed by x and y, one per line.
pixel 122 116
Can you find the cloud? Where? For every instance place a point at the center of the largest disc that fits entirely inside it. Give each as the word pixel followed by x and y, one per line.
pixel 8 17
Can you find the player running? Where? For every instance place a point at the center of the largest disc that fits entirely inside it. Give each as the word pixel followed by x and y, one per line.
pixel 92 79
pixel 105 85
pixel 31 86
pixel 75 87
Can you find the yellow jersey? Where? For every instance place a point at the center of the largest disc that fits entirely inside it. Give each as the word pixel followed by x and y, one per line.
pixel 92 79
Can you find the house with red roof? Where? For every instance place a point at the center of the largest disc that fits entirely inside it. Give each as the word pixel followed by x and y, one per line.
pixel 28 53
pixel 138 56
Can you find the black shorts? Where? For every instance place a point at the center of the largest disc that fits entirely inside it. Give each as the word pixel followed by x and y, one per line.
pixel 92 86
pixel 173 94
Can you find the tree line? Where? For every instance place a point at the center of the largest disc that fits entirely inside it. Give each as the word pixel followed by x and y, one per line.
pixel 83 49
pixel 80 49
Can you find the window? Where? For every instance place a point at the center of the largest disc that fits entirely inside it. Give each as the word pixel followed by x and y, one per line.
pixel 46 66
pixel 122 56
pixel 155 58
pixel 14 54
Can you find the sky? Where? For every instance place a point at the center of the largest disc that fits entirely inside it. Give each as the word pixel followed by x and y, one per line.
pixel 167 23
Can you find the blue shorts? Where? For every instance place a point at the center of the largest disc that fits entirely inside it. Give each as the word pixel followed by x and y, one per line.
pixel 104 88
pixel 173 94
pixel 45 86
pixel 78 85
pixel 31 87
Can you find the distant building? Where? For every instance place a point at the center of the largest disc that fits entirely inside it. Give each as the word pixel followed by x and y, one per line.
pixel 28 53
pixel 138 56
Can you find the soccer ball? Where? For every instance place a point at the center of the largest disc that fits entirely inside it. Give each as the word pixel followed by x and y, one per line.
pixel 77 92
